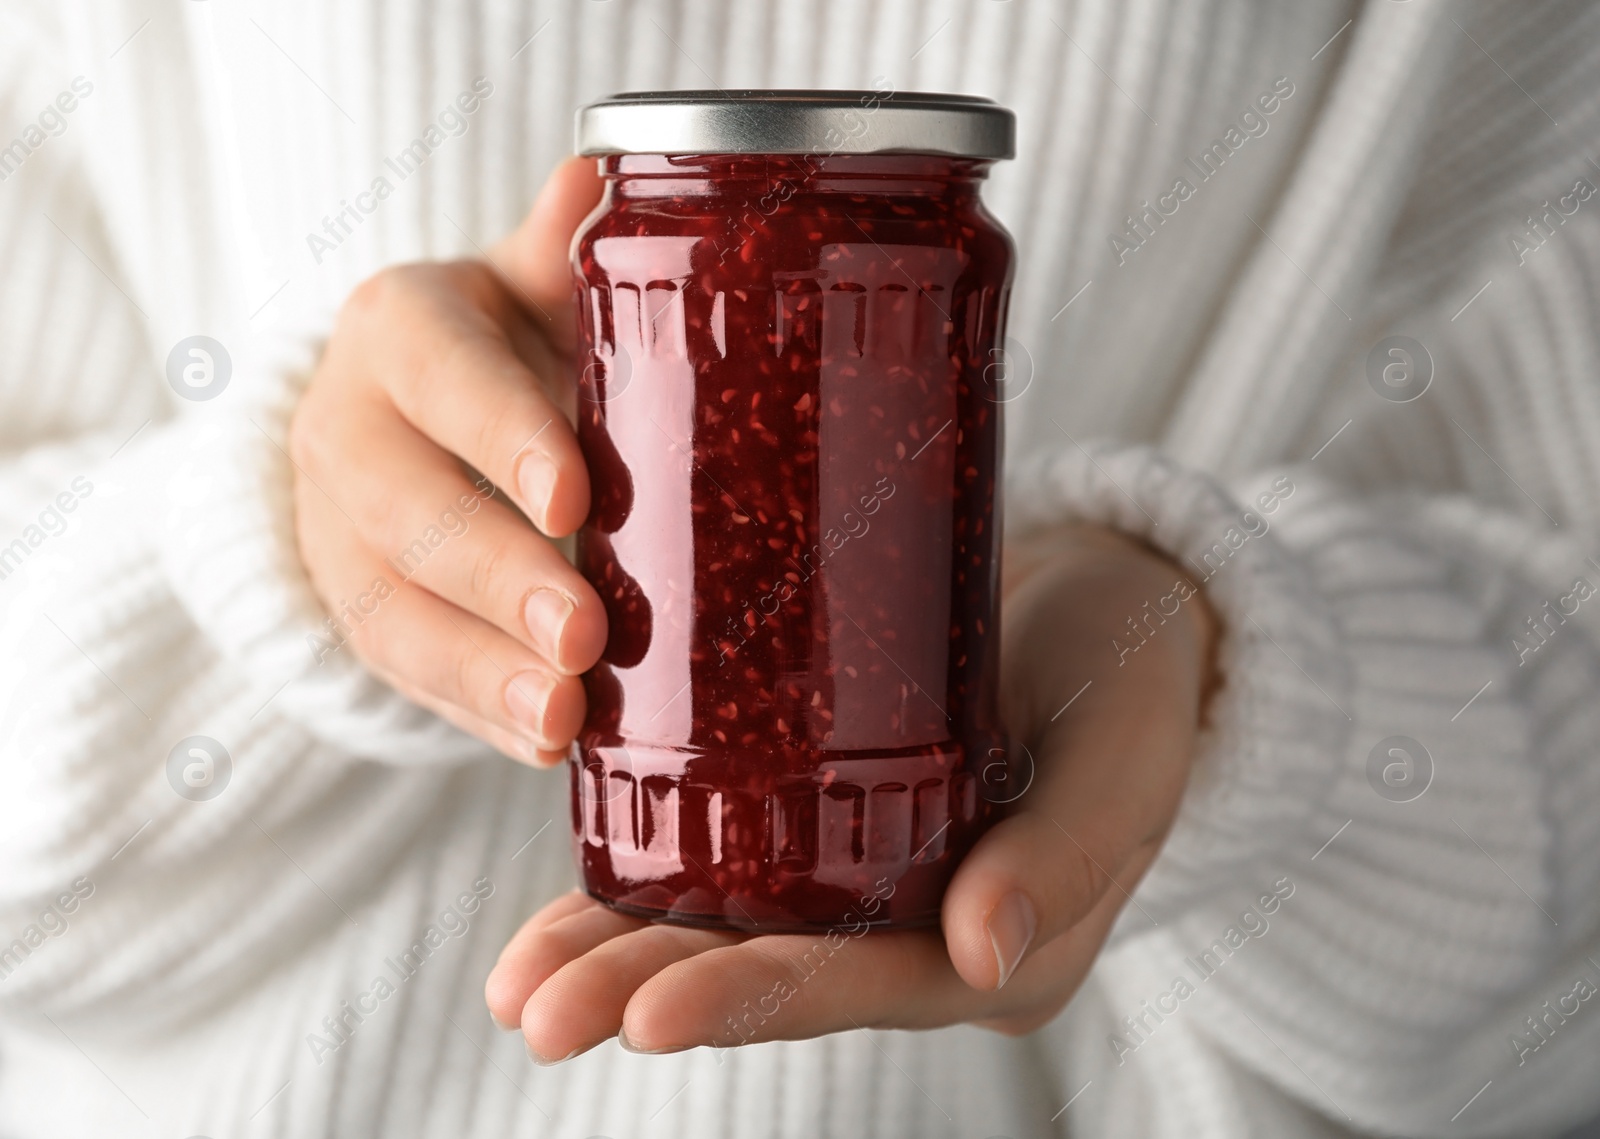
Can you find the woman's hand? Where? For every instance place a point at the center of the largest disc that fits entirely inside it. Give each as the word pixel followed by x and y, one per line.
pixel 1111 733
pixel 432 434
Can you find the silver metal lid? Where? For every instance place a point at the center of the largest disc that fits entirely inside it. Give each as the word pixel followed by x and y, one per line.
pixel 796 122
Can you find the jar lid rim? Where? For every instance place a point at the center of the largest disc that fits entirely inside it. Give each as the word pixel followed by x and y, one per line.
pixel 818 122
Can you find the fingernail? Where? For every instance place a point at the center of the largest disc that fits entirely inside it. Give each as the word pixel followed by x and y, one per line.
pixel 534 753
pixel 630 1046
pixel 537 480
pixel 545 1061
pixel 500 1024
pixel 527 697
pixel 546 615
pixel 1011 927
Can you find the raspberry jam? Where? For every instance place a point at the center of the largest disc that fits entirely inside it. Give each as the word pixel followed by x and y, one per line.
pixel 788 408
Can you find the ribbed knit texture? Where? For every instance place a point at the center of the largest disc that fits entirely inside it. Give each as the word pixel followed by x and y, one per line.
pixel 1224 357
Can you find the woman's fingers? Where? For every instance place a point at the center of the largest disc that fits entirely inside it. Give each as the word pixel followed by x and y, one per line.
pixel 467 662
pixel 503 991
pixel 415 506
pixel 482 620
pixel 592 974
pixel 430 368
pixel 583 1002
pixel 580 974
pixel 430 648
pixel 792 987
pixel 517 745
pixel 544 944
pixel 438 341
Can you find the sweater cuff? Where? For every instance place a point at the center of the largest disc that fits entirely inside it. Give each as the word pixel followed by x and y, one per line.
pixel 1269 746
pixel 234 563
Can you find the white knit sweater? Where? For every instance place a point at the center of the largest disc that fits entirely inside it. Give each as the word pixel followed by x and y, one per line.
pixel 1307 956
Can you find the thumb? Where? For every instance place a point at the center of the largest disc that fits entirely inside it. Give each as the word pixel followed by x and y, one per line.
pixel 1109 777
pixel 1029 880
pixel 1087 821
pixel 534 257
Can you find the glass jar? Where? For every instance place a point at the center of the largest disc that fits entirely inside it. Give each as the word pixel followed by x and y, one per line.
pixel 792 307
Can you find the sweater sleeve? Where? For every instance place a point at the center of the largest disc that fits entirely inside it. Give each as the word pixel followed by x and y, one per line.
pixel 87 322
pixel 230 553
pixel 154 624
pixel 165 816
pixel 1387 859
